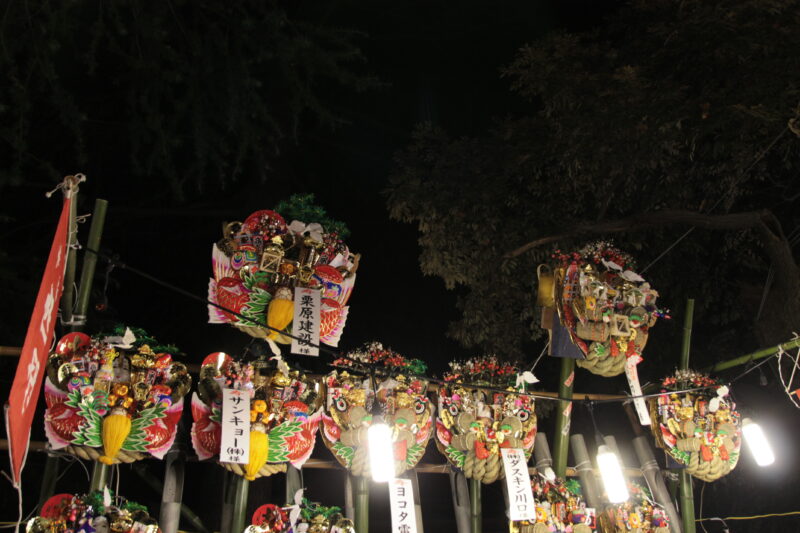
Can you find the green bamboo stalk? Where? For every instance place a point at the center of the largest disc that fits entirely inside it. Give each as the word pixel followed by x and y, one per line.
pixel 475 506
pixel 67 297
pixel 242 489
pixel 686 492
pixel 99 476
pixel 561 437
pixel 360 486
pixel 760 354
pixel 90 260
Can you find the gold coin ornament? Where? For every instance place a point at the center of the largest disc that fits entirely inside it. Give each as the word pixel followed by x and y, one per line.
pixel 560 508
pixel 473 424
pixel 700 429
pixel 400 391
pixel 638 514
pixel 114 398
pixel 283 420
pixel 605 306
pixel 96 512
pixel 258 263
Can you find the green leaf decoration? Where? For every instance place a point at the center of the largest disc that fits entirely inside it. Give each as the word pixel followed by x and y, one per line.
pixel 343 452
pixel 90 432
pixel 137 438
pixel 414 454
pixel 216 415
pixel 456 457
pixel 302 207
pixel 573 486
pixel 278 445
pixel 255 310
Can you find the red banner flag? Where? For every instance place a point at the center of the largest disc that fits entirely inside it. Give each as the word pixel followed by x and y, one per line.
pixel 24 396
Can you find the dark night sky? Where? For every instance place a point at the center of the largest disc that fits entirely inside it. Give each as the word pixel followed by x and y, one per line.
pixel 439 62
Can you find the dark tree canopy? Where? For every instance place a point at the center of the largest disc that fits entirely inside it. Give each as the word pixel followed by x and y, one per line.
pixel 689 106
pixel 184 95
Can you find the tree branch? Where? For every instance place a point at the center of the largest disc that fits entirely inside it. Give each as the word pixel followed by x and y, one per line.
pixel 644 221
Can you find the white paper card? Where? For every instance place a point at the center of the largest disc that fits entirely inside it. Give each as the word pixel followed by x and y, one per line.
pixel 518 481
pixel 636 391
pixel 401 501
pixel 235 442
pixel 305 323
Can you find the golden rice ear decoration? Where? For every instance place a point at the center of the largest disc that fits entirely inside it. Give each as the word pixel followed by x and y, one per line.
pixel 280 312
pixel 116 428
pixel 259 449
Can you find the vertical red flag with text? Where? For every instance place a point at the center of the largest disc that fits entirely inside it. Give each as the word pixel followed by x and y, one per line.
pixel 24 396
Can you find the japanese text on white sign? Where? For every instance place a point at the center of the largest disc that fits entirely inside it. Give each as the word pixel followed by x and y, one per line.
pixel 235 442
pixel 401 501
pixel 305 325
pixel 636 390
pixel 518 481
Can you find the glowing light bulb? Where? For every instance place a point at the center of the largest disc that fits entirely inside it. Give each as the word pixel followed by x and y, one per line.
pixel 757 442
pixel 611 472
pixel 381 452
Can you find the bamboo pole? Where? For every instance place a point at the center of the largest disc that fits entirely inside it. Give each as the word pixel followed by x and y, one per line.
pixel 90 260
pixel 561 438
pixel 87 278
pixel 99 476
pixel 460 494
pixel 360 486
pixel 50 475
pixel 140 469
pixel 294 482
pixel 228 491
pixel 172 493
pixel 651 471
pixel 475 507
pixel 760 354
pixel 583 467
pixel 241 492
pixel 686 493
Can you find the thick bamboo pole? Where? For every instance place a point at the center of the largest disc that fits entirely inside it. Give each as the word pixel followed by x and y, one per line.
pixel 87 277
pixel 583 467
pixel 141 470
pixel 172 493
pixel 561 438
pixel 241 492
pixel 99 476
pixel 294 482
pixel 90 260
pixel 651 470
pixel 50 475
pixel 461 505
pixel 360 486
pixel 475 507
pixel 686 492
pixel 760 354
